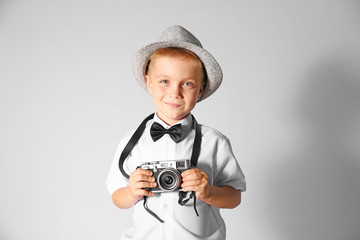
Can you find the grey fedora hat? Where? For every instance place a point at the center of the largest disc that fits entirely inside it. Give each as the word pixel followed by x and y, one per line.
pixel 177 36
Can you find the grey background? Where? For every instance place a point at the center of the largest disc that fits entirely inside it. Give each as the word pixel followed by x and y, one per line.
pixel 289 103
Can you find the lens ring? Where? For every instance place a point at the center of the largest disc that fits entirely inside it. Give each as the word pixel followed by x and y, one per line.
pixel 169 179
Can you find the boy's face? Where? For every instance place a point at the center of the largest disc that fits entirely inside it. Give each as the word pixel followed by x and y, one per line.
pixel 175 84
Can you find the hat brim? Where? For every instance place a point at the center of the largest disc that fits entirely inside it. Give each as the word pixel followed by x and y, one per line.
pixel 213 69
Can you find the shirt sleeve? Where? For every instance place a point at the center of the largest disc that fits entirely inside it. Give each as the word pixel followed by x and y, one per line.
pixel 228 171
pixel 115 179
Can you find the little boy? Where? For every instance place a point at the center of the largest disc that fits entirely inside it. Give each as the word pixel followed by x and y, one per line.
pixel 177 72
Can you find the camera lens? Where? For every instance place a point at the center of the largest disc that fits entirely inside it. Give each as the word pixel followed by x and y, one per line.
pixel 169 179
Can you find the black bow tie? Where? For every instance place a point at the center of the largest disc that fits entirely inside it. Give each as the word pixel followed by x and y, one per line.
pixel 157 131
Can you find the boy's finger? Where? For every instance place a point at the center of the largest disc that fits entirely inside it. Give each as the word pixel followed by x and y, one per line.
pixel 141 185
pixel 142 192
pixel 191 183
pixel 190 188
pixel 148 193
pixel 188 172
pixel 138 174
pixel 143 178
pixel 143 171
pixel 193 176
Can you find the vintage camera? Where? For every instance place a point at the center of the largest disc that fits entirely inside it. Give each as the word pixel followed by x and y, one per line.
pixel 167 174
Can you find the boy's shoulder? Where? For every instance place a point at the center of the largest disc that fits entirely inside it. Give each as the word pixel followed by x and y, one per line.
pixel 210 132
pixel 131 132
pixel 126 138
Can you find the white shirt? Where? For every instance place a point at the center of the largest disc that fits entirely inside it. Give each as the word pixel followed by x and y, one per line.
pixel 216 160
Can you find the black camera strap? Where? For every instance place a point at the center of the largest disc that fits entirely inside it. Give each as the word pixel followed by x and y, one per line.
pixel 194 159
pixel 131 144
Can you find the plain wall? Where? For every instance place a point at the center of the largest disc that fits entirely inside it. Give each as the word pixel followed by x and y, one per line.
pixel 289 102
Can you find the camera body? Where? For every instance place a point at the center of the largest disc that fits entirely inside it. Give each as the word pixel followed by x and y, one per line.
pixel 167 174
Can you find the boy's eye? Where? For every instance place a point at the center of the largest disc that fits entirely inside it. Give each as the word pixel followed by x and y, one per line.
pixel 188 84
pixel 164 81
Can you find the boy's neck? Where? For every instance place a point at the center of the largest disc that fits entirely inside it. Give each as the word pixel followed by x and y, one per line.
pixel 173 123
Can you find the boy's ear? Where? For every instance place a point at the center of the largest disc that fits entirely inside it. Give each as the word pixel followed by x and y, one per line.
pixel 148 84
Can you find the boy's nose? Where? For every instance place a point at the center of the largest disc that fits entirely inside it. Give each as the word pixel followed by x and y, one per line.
pixel 175 92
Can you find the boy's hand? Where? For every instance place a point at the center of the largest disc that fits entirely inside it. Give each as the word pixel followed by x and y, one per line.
pixel 196 180
pixel 139 179
pixel 221 197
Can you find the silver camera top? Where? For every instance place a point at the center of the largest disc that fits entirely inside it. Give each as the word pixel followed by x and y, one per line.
pixel 177 164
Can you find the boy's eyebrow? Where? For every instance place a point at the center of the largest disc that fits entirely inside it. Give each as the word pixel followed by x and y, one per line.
pixel 162 76
pixel 168 77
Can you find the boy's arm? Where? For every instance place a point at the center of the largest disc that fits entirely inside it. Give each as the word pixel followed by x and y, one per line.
pixel 223 197
pixel 220 197
pixel 126 197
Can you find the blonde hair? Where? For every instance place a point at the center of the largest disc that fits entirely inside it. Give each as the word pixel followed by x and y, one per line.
pixel 177 52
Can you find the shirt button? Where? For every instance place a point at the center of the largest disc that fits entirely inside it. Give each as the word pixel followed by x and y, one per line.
pixel 165 206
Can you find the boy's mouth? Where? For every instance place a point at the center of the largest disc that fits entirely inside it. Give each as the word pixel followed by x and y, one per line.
pixel 173 105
